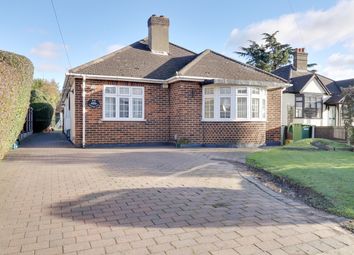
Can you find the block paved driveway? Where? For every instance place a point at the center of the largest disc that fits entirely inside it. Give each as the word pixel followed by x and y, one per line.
pixel 56 199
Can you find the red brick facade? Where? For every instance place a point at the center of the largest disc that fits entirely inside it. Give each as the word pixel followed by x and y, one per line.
pixel 273 115
pixel 171 112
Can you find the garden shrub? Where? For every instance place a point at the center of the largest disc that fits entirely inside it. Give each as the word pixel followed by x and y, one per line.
pixel 42 111
pixel 16 75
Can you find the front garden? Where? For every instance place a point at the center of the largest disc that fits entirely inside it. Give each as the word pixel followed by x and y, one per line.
pixel 321 170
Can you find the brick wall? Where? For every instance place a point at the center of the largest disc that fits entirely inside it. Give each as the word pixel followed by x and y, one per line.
pixel 186 111
pixel 154 130
pixel 273 116
pixel 169 112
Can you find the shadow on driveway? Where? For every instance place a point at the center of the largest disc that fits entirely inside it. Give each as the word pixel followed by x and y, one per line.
pixel 179 207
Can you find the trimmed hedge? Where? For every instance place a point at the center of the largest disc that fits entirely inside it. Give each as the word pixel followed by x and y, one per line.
pixel 16 75
pixel 42 111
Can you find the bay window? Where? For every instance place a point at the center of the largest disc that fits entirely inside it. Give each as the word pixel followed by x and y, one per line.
pixel 234 103
pixel 123 103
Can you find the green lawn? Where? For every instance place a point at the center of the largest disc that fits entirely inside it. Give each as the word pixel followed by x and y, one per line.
pixel 330 174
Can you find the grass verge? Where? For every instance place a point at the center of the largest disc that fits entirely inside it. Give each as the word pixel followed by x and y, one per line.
pixel 325 178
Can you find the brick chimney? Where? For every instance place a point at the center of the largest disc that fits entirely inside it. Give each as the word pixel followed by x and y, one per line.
pixel 300 59
pixel 158 34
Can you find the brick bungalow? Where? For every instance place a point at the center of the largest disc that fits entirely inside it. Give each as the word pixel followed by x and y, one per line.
pixel 156 92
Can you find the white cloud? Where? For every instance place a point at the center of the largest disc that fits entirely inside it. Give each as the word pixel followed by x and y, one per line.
pixel 339 66
pixel 47 50
pixel 341 59
pixel 338 72
pixel 114 47
pixel 317 29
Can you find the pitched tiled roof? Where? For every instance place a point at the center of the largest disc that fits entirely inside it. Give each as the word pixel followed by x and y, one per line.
pixel 136 60
pixel 299 82
pixel 330 84
pixel 300 78
pixel 345 83
pixel 334 99
pixel 337 87
pixel 214 65
pixel 284 72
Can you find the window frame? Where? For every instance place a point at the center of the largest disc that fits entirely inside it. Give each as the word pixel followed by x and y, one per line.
pixel 208 96
pixel 117 97
pixel 307 95
pixel 234 96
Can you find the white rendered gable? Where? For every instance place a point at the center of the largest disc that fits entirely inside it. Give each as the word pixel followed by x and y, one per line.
pixel 313 87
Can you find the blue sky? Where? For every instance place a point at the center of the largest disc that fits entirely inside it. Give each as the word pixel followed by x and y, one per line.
pixel 93 28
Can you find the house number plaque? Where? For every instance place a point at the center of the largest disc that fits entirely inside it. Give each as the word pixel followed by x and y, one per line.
pixel 93 103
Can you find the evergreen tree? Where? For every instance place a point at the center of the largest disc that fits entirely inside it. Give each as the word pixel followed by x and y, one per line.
pixel 270 55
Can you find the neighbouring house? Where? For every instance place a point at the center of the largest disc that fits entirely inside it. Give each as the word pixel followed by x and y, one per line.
pixel 313 98
pixel 156 92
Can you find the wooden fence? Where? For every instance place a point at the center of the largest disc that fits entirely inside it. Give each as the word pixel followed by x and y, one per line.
pixel 330 132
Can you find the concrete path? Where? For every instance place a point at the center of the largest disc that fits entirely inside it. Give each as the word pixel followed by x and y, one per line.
pixel 56 199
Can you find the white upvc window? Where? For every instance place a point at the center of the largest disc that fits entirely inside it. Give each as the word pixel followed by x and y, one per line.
pixel 123 103
pixel 208 103
pixel 234 103
pixel 242 99
pixel 225 102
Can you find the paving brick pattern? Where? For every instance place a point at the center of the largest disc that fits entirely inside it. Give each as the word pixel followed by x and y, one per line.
pixel 55 199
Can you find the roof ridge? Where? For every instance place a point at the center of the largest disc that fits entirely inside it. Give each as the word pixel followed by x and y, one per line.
pixel 194 61
pixel 249 66
pixel 183 48
pixel 324 76
pixel 111 54
pixel 102 58
pixel 323 85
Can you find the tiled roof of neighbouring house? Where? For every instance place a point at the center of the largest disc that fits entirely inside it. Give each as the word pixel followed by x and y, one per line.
pixel 137 60
pixel 345 83
pixel 300 78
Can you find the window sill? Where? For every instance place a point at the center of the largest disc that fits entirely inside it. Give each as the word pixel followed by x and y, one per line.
pixel 239 120
pixel 299 118
pixel 123 120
